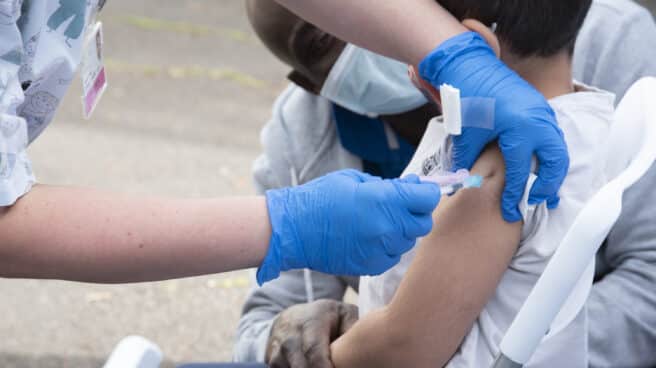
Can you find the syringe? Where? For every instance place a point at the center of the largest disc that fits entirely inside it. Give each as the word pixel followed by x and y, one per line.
pixel 451 183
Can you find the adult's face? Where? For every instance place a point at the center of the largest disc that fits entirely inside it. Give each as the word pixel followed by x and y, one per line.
pixel 309 51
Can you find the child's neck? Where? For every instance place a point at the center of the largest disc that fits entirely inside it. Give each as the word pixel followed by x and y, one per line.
pixel 551 76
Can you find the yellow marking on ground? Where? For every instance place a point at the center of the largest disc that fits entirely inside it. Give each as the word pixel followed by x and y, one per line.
pixel 187 72
pixel 193 29
pixel 98 296
pixel 229 283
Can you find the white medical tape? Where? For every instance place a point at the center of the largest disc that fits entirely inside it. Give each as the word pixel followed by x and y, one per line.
pixel 468 112
pixel 478 112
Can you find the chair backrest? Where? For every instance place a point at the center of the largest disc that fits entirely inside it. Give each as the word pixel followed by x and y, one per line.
pixel 631 150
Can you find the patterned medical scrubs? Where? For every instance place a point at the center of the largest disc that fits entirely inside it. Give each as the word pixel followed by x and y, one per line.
pixel 40 48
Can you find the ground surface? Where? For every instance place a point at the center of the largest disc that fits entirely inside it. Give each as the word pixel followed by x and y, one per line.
pixel 190 89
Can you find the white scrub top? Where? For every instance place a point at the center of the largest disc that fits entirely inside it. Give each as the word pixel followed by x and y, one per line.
pixel 40 50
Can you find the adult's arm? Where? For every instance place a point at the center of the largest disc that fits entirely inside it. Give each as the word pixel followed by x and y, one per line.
pixel 418 26
pixel 88 235
pixel 454 272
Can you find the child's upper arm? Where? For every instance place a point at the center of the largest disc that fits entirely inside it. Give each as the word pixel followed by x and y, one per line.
pixel 456 269
pixel 458 265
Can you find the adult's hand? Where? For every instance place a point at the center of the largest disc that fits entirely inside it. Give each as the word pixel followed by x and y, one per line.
pixel 346 223
pixel 301 335
pixel 524 123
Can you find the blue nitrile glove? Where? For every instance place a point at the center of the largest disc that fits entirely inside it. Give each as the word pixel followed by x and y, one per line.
pixel 346 223
pixel 524 122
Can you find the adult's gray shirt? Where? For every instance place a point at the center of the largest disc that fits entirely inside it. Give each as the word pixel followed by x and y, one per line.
pixel 616 47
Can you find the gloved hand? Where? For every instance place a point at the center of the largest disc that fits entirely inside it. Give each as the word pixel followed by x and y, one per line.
pixel 524 123
pixel 346 223
pixel 301 335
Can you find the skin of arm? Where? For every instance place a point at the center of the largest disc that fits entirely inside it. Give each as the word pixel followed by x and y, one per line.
pixel 418 26
pixel 456 269
pixel 87 235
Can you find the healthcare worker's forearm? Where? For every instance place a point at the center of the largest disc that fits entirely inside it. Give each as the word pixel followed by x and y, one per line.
pixel 93 236
pixel 406 30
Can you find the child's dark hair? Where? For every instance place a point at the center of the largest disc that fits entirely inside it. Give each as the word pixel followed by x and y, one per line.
pixel 527 27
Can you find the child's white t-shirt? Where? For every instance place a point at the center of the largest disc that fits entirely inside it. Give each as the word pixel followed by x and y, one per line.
pixel 585 119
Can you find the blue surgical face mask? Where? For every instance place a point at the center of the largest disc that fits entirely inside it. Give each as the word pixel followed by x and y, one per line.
pixel 371 84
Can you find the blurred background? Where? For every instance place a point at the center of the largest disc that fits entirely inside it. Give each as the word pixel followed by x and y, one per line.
pixel 190 88
pixel 651 4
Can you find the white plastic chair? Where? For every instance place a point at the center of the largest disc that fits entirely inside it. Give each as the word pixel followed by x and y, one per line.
pixel 633 136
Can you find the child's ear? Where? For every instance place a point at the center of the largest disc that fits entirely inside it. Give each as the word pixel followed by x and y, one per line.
pixel 485 32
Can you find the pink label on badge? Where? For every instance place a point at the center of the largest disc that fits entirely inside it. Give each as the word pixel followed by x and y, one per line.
pixel 92 73
pixel 98 87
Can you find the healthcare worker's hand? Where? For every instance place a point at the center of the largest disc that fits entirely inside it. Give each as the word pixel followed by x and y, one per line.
pixel 301 335
pixel 524 123
pixel 346 223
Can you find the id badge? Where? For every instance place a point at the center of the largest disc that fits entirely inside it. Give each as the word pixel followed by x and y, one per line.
pixel 92 70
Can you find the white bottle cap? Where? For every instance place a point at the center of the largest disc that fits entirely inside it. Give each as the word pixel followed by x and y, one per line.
pixel 135 352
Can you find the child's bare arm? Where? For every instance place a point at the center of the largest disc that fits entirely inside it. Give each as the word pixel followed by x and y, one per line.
pixel 456 269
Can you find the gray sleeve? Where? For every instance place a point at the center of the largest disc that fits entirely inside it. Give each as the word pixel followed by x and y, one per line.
pixel 622 305
pixel 616 46
pixel 265 303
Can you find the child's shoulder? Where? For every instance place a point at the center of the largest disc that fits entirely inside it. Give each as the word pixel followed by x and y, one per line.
pixel 585 99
